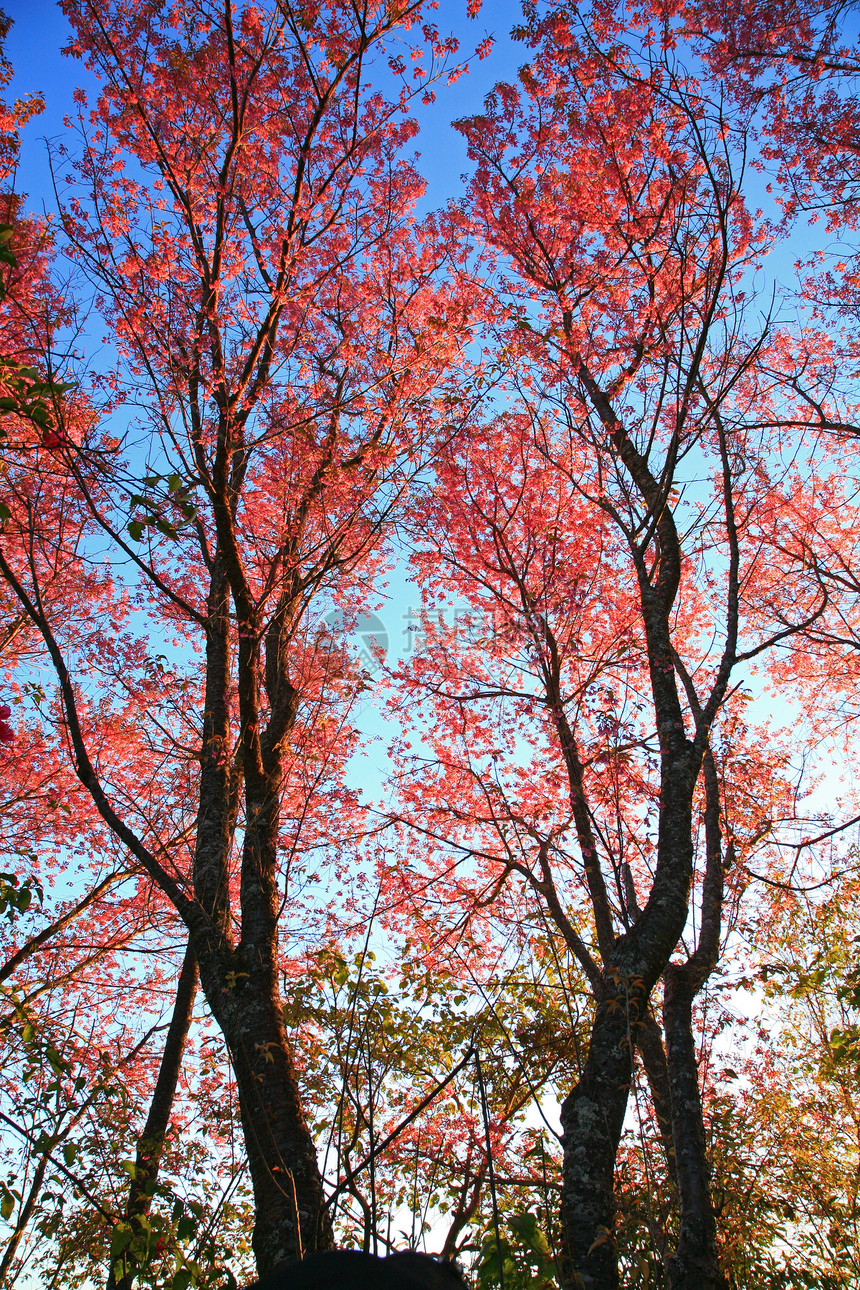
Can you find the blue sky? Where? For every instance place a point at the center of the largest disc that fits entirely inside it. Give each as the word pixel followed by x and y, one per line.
pixel 40 31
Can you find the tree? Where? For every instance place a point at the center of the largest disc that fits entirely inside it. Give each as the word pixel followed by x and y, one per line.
pixel 798 1105
pixel 30 307
pixel 600 527
pixel 560 393
pixel 245 215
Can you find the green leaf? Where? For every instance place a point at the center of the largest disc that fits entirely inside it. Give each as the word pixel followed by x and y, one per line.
pixel 185 1227
pixel 70 1150
pixel 121 1237
pixel 7 1204
pixel 136 529
pixel 58 1066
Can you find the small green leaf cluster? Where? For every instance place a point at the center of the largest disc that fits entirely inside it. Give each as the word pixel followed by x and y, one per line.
pixel 151 501
pixel 17 896
pixel 156 1244
pixel 527 1261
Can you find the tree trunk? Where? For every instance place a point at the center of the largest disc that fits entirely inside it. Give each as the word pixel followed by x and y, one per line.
pixel 592 1117
pixel 241 982
pixel 288 1194
pixel 695 1264
pixel 150 1144
pixel 649 1041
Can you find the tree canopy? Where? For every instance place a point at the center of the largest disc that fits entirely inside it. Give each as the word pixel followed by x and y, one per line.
pixel 533 942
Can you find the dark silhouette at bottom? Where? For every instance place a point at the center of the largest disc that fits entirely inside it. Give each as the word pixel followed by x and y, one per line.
pixel 353 1270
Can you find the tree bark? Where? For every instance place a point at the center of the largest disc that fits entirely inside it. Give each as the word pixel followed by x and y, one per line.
pixel 288 1193
pixel 696 1262
pixel 592 1116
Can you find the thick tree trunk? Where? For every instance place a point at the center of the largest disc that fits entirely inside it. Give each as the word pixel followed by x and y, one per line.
pixel 592 1117
pixel 288 1194
pixel 240 981
pixel 150 1144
